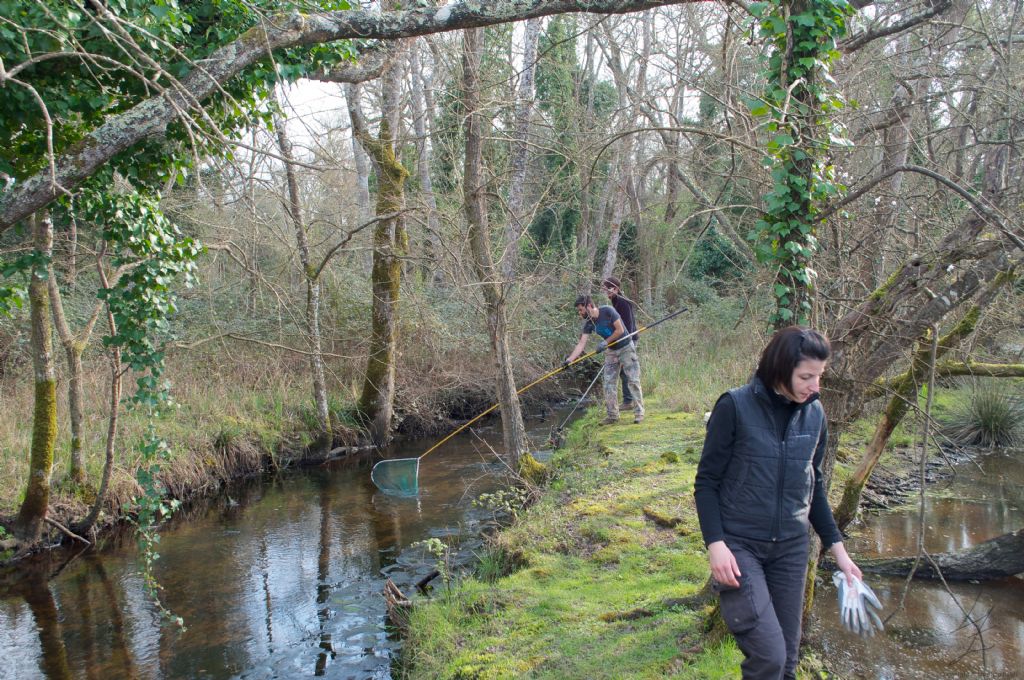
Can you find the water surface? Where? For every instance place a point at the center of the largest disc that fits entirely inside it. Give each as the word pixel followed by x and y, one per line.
pixel 280 578
pixel 931 638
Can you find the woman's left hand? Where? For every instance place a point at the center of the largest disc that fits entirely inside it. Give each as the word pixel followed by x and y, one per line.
pixel 845 564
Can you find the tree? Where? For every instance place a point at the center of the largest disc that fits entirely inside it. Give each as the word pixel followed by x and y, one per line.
pixel 390 244
pixel 422 99
pixel 29 524
pixel 947 231
pixel 515 225
pixel 311 275
pixel 71 164
pixel 495 289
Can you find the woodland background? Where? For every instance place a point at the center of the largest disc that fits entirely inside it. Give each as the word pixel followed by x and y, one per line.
pixel 413 249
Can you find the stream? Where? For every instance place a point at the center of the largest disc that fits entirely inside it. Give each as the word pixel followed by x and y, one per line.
pixel 282 576
pixel 278 578
pixel 931 637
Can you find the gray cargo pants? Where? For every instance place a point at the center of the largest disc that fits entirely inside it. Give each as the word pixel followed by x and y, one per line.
pixel 764 613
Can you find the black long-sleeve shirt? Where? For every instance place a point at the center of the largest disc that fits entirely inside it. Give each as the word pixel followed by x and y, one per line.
pixel 625 309
pixel 714 461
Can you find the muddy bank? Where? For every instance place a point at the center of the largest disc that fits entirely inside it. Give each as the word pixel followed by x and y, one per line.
pixel 231 459
pixel 893 483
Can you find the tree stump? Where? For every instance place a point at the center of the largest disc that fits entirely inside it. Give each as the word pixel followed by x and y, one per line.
pixel 398 605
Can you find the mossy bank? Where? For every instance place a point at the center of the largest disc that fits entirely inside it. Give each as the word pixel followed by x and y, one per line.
pixel 599 578
pixel 595 571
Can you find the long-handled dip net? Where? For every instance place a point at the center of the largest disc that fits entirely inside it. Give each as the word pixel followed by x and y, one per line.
pixel 400 476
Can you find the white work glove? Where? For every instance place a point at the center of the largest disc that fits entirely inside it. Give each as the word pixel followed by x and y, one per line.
pixel 858 606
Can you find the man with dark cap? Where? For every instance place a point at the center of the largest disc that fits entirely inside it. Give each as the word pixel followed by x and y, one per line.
pixel 612 287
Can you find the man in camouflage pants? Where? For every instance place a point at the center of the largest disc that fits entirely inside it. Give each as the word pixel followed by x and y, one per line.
pixel 620 356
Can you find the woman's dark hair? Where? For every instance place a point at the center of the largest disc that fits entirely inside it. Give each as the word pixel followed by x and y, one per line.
pixel 785 350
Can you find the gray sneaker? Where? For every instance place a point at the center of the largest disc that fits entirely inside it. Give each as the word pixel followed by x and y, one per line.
pixel 609 421
pixel 638 418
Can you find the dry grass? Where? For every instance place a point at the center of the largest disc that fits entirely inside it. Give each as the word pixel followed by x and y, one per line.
pixel 698 362
pixel 229 413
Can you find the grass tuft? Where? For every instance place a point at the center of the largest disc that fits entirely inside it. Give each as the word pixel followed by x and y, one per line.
pixel 994 416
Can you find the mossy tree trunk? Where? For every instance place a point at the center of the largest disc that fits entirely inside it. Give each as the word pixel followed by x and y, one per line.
pixel 74 345
pixel 29 523
pixel 495 290
pixel 390 245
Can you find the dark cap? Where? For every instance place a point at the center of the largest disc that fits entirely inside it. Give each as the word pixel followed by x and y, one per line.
pixel 612 281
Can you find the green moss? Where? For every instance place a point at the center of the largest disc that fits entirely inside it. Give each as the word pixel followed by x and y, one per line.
pixel 670 456
pixel 604 579
pixel 531 469
pixel 880 292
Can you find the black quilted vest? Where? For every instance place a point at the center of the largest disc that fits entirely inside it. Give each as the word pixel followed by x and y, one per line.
pixel 766 492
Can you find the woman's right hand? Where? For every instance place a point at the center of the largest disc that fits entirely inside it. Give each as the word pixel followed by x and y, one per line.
pixel 723 564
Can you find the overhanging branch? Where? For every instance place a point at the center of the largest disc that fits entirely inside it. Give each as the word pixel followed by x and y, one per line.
pixel 151 117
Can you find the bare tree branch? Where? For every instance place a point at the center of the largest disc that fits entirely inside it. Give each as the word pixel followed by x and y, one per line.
pixel 861 39
pixel 152 116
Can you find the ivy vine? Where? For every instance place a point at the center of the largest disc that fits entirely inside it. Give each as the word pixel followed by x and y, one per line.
pixel 797 102
pixel 156 255
pixel 14 276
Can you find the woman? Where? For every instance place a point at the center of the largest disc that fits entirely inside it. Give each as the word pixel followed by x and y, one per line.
pixel 757 490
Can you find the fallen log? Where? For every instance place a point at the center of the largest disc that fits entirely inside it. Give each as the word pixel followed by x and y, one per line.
pixel 996 558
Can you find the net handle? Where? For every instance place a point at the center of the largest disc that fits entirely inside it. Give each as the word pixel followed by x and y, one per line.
pixel 548 375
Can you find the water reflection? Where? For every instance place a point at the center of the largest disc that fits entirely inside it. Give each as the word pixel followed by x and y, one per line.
pixel 931 637
pixel 279 579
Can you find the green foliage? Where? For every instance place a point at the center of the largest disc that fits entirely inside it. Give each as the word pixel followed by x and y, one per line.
pixel 493 564
pixel 442 554
pixel 81 76
pixel 797 106
pixel 714 257
pixel 154 255
pixel 993 417
pixel 554 228
pixel 142 301
pixel 503 503
pixel 151 508
pixel 556 67
pixel 564 92
pixel 14 295
pixel 8 553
